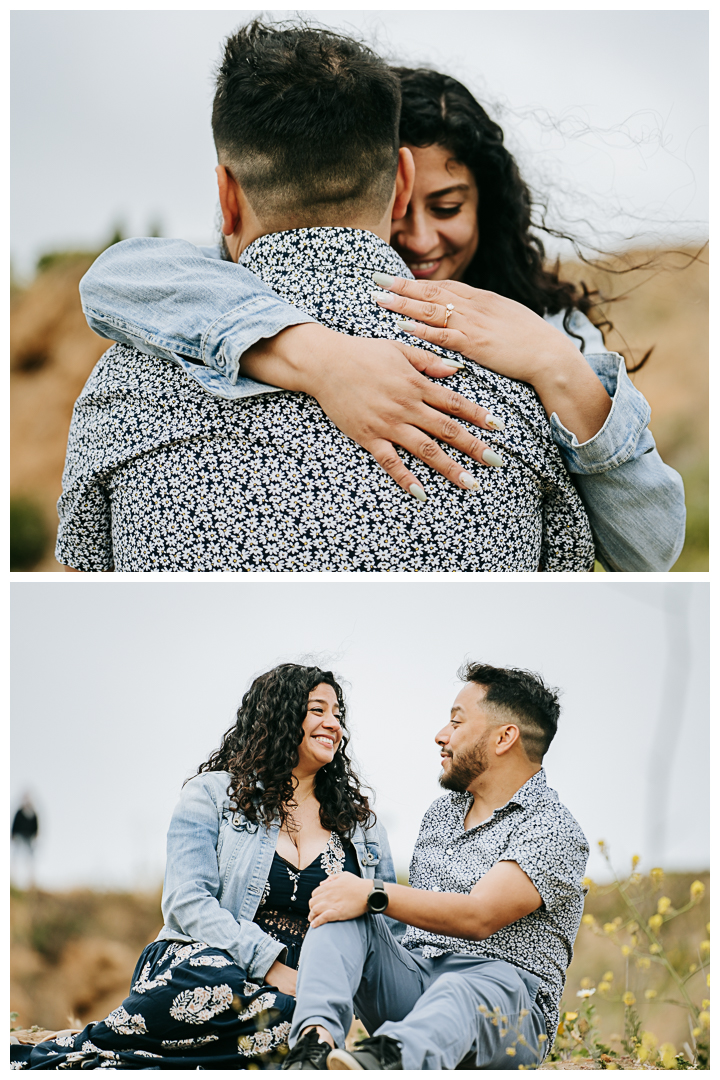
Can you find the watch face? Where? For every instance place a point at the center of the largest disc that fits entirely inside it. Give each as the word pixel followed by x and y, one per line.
pixel 377 901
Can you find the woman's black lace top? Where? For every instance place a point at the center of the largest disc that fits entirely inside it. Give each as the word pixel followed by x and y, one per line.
pixel 283 910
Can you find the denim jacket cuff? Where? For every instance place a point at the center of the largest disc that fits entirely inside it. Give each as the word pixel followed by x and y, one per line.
pixel 226 339
pixel 619 438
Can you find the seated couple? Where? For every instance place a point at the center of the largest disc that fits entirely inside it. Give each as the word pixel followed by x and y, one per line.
pixel 276 862
pixel 246 423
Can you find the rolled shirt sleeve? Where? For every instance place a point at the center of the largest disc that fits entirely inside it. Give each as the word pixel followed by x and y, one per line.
pixel 555 861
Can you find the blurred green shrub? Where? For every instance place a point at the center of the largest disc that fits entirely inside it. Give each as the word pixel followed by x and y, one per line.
pixel 29 534
pixel 695 553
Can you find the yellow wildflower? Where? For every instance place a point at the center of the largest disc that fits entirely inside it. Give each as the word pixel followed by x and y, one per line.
pixel 510 1050
pixel 635 861
pixel 663 905
pixel 601 844
pixel 587 882
pixel 642 962
pixel 625 950
pixel 655 922
pixel 632 927
pixel 588 920
pixel 542 1038
pixel 611 1065
pixel 609 927
pixel 704 1018
pixel 705 946
pixel 604 987
pixel 696 1032
pixel 707 979
pixel 657 874
pixel 648 1040
pixel 608 976
pixel 668 1056
pixel 571 1016
pixel 628 998
pixel 618 920
pixel 650 994
pixel 635 879
pixel 697 890
pixel 706 1003
pixel 586 982
pixel 655 949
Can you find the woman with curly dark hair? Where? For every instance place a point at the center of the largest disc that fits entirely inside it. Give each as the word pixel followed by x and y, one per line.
pixel 271 813
pixel 472 240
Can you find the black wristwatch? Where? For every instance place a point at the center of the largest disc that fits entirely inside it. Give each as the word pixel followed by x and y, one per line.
pixel 378 899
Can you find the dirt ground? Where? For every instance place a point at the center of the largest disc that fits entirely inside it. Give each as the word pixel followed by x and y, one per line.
pixel 52 352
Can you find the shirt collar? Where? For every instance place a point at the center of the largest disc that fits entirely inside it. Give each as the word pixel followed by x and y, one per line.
pixel 327 248
pixel 527 797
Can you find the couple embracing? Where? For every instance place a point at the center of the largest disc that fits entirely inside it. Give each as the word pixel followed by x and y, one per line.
pixel 246 421
pixel 283 917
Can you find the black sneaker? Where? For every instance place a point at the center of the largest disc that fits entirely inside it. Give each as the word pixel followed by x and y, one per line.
pixel 377 1052
pixel 307 1053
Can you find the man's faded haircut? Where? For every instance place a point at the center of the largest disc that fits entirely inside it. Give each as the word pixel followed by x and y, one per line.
pixel 523 696
pixel 307 122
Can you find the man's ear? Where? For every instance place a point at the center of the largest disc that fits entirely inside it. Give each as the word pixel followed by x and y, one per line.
pixel 229 202
pixel 403 183
pixel 507 736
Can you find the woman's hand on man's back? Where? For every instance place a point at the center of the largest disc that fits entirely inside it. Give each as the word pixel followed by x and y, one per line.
pixel 377 392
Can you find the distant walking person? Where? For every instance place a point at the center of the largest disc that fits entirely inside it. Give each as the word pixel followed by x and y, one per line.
pixel 24 834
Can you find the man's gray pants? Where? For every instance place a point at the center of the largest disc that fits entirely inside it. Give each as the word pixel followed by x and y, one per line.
pixel 431 1006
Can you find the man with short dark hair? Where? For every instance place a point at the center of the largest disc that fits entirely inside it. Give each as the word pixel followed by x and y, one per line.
pixel 491 913
pixel 161 476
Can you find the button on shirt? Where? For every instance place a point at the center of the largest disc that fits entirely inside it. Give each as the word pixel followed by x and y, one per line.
pixel 159 475
pixel 537 832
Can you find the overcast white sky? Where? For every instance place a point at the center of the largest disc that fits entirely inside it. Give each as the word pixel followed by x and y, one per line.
pixel 606 111
pixel 119 691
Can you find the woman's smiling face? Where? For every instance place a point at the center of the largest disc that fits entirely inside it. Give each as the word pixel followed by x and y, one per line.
pixel 322 731
pixel 438 236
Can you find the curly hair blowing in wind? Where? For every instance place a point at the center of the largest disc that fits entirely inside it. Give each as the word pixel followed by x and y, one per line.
pixel 261 750
pixel 510 259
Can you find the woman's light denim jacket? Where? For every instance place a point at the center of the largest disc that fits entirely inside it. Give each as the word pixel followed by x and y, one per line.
pixel 217 866
pixel 177 301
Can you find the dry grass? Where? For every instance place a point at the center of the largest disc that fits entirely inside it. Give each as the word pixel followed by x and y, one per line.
pixel 73 954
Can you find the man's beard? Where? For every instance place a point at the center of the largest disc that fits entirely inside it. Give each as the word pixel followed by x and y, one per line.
pixel 464 768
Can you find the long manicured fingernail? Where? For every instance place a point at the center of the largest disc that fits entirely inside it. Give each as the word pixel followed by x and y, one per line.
pixel 491 458
pixel 417 492
pixel 495 422
pixel 407 325
pixel 457 364
pixel 468 481
pixel 384 280
pixel 380 297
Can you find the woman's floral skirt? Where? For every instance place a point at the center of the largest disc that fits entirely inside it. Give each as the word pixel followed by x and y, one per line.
pixel 190 1006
